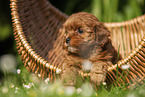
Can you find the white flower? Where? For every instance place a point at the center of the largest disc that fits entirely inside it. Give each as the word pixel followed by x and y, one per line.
pixel 18 71
pixel 28 86
pixel 16 91
pixel 69 90
pixel 31 84
pixel 87 65
pixel 125 67
pixel 12 86
pixel 58 71
pixel 4 89
pixel 39 75
pixel 96 94
pixel 79 90
pixel 47 80
pixel 104 83
pixel 16 88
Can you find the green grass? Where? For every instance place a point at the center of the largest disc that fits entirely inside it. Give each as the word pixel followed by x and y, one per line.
pixel 28 85
pixel 116 10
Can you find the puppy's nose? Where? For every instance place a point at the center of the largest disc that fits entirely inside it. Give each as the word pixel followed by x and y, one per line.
pixel 68 40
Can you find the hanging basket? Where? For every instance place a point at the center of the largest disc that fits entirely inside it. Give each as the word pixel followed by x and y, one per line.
pixel 37 26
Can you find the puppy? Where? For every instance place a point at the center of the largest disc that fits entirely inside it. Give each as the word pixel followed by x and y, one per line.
pixel 86 42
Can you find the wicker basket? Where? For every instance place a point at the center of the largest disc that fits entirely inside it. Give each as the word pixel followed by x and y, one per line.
pixel 37 26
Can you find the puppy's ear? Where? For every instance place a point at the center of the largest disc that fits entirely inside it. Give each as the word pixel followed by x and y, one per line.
pixel 101 34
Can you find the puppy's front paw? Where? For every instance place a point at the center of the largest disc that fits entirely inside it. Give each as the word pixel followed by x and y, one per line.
pixel 98 72
pixel 97 78
pixel 69 75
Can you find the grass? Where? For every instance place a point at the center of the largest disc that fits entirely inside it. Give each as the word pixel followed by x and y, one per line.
pixel 24 84
pixel 116 10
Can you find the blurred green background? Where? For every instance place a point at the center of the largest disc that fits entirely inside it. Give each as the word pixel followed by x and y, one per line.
pixel 105 10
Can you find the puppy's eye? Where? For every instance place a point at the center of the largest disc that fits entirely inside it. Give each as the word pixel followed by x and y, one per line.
pixel 80 31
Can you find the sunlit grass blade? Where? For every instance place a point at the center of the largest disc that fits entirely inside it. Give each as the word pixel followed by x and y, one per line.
pixel 97 8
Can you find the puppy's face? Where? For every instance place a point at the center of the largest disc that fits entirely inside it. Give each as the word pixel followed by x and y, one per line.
pixel 82 34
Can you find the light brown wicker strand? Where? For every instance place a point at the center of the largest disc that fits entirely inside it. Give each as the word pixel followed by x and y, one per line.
pixel 136 34
pixel 113 34
pixel 132 42
pixel 141 57
pixel 125 23
pixel 120 39
pixel 124 42
pixel 140 69
pixel 128 39
pixel 137 70
pixel 110 77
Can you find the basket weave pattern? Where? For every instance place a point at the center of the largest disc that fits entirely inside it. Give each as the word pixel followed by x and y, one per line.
pixel 37 26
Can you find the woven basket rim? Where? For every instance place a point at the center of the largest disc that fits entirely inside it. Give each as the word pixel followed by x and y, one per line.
pixel 19 31
pixel 127 22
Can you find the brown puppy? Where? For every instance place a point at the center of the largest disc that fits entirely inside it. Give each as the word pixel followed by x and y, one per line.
pixel 86 42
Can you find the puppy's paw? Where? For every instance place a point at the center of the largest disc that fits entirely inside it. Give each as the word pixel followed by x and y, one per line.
pixel 98 72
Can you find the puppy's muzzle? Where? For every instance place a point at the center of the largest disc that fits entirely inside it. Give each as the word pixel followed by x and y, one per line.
pixel 68 40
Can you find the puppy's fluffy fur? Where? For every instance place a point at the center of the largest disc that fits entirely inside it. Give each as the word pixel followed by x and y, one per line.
pixel 86 42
